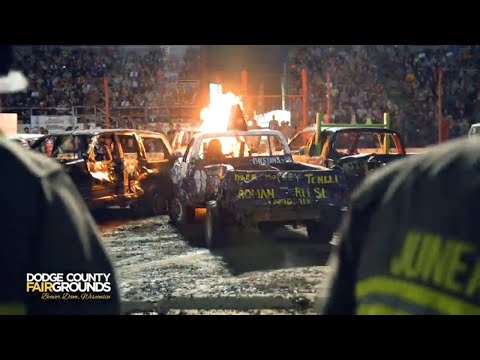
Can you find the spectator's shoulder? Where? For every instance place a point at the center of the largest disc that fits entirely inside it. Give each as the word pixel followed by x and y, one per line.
pixel 21 162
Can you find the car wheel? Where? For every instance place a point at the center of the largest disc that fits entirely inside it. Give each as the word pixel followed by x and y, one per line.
pixel 180 213
pixel 157 204
pixel 213 226
pixel 154 204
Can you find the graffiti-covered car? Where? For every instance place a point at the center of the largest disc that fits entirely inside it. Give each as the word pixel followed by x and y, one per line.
pixel 358 151
pixel 248 178
pixel 115 167
pixel 354 149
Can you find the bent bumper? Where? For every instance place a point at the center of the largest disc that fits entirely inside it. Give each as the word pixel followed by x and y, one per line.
pixel 327 213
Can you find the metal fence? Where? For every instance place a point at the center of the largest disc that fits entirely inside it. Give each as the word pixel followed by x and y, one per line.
pixel 94 114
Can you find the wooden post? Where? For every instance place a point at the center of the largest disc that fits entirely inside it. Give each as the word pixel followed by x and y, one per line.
pixel 246 103
pixel 204 93
pixel 284 85
pixel 329 100
pixel 107 102
pixel 305 97
pixel 439 106
pixel 318 125
pixel 261 93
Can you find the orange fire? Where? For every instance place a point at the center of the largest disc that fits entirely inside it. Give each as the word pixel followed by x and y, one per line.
pixel 216 116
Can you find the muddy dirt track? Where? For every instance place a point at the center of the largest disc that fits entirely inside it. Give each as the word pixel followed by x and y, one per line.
pixel 167 271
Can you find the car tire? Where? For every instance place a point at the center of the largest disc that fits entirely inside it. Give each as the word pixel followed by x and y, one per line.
pixel 180 213
pixel 156 203
pixel 319 232
pixel 214 230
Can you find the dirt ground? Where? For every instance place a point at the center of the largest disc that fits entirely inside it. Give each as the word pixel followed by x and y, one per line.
pixel 162 270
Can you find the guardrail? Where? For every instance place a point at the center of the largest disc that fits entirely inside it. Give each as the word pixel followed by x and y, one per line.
pixel 95 114
pixel 243 303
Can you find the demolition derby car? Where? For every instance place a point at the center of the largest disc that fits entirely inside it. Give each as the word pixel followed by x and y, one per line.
pixel 248 178
pixel 115 167
pixel 355 150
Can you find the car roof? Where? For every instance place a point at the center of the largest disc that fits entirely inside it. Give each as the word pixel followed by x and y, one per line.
pixel 358 129
pixel 25 136
pixel 93 132
pixel 309 129
pixel 334 128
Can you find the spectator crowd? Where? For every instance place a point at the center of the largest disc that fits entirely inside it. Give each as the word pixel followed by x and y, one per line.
pixel 358 93
pixel 355 91
pixel 460 98
pixel 66 77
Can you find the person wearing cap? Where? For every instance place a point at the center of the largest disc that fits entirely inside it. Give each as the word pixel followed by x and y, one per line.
pixel 409 243
pixel 61 236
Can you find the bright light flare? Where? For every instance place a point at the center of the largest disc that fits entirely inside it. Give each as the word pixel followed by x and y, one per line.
pixel 216 116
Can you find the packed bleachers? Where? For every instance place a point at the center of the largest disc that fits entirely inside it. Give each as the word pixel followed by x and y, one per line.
pixel 356 94
pixel 367 80
pixel 418 76
pixel 64 77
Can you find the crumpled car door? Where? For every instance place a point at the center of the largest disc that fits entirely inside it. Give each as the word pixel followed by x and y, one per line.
pixel 101 167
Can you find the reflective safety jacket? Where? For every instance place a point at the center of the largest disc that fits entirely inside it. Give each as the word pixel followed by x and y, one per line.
pixel 410 243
